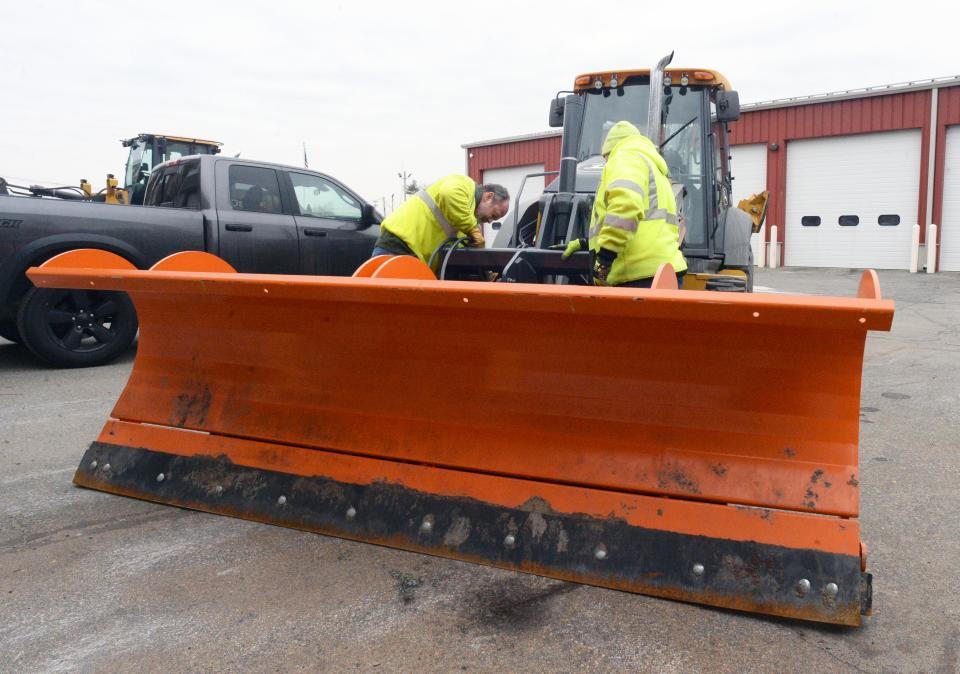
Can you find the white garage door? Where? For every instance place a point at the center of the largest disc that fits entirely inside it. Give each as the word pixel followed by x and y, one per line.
pixel 852 200
pixel 950 236
pixel 512 178
pixel 749 169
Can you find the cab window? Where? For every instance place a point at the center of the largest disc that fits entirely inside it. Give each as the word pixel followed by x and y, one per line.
pixel 253 188
pixel 323 199
pixel 176 186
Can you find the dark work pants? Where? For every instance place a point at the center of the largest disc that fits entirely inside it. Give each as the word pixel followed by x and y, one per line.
pixel 647 282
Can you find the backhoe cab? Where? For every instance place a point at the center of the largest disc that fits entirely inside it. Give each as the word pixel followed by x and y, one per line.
pixel 684 111
pixel 149 149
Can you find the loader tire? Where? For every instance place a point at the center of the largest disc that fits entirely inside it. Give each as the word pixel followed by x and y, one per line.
pixel 76 328
pixel 8 330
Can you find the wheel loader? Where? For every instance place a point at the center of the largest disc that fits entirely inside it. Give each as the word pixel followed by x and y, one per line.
pixel 688 444
pixel 147 150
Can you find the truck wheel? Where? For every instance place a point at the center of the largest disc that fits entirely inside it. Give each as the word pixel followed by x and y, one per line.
pixel 76 328
pixel 8 330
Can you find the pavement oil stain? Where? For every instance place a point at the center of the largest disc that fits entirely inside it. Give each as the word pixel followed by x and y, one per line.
pixel 514 604
pixel 950 662
pixel 406 584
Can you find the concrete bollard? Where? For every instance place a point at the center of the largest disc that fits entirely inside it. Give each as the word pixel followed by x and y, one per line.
pixel 915 249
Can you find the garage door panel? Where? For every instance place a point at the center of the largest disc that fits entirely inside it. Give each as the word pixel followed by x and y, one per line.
pixel 950 220
pixel 749 169
pixel 866 175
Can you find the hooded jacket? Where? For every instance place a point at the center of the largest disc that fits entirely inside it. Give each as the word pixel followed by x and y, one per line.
pixel 635 212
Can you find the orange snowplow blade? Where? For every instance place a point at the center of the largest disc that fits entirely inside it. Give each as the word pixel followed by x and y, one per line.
pixel 693 445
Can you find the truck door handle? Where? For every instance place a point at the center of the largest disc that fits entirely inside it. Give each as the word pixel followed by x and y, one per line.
pixel 312 231
pixel 239 228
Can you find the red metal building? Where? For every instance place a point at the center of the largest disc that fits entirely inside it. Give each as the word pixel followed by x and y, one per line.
pixel 849 173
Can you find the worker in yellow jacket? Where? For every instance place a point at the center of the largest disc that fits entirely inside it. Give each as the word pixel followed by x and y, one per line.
pixel 634 227
pixel 453 206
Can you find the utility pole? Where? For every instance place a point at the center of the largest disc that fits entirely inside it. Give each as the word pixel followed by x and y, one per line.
pixel 391 203
pixel 403 175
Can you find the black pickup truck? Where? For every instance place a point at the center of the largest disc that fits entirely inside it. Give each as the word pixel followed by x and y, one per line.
pixel 259 217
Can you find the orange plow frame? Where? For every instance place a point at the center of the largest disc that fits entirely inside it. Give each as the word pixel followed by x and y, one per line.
pixel 692 445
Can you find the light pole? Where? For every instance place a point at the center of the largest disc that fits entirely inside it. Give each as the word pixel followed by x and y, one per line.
pixel 403 175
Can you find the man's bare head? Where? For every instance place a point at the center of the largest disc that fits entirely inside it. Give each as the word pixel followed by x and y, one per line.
pixel 493 203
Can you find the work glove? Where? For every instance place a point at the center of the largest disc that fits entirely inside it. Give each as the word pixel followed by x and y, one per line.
pixel 601 266
pixel 475 236
pixel 574 246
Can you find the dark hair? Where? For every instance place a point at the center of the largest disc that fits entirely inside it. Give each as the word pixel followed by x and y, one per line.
pixel 499 191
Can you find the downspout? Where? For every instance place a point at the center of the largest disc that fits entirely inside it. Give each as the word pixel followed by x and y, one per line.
pixel 931 239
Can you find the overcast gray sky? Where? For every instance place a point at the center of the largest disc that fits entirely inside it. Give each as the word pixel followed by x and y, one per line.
pixel 374 87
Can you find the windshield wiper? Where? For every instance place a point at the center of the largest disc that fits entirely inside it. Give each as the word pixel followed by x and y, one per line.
pixel 674 134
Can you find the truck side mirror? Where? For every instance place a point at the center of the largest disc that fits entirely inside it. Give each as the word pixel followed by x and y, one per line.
pixel 556 112
pixel 728 106
pixel 368 216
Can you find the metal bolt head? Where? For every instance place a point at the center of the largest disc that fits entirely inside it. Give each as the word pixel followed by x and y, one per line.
pixel 803 586
pixel 282 500
pixel 600 552
pixel 106 466
pixel 218 489
pixel 831 590
pixel 509 540
pixel 161 477
pixel 698 569
pixel 93 464
pixel 351 512
pixel 427 525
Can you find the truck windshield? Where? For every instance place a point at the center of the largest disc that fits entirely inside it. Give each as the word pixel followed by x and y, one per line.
pixel 684 141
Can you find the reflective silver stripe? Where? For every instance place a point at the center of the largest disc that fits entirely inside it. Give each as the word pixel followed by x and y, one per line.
pixel 653 183
pixel 441 218
pixel 662 214
pixel 628 224
pixel 628 184
pixel 595 230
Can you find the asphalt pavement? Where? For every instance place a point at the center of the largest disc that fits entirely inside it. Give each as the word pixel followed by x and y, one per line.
pixel 91 582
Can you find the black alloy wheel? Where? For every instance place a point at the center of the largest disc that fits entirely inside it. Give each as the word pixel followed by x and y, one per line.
pixel 76 328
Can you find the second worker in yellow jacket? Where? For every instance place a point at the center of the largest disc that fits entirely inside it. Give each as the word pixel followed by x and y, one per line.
pixel 634 227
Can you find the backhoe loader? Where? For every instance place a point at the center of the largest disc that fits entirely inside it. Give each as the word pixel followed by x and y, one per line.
pixel 685 111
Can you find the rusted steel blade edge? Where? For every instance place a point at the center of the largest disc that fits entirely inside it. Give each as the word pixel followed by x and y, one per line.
pixel 808 584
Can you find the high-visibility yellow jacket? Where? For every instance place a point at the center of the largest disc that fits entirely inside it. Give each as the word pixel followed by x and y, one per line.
pixel 635 212
pixel 446 208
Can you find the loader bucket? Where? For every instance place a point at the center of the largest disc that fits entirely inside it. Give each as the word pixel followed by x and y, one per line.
pixel 691 445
